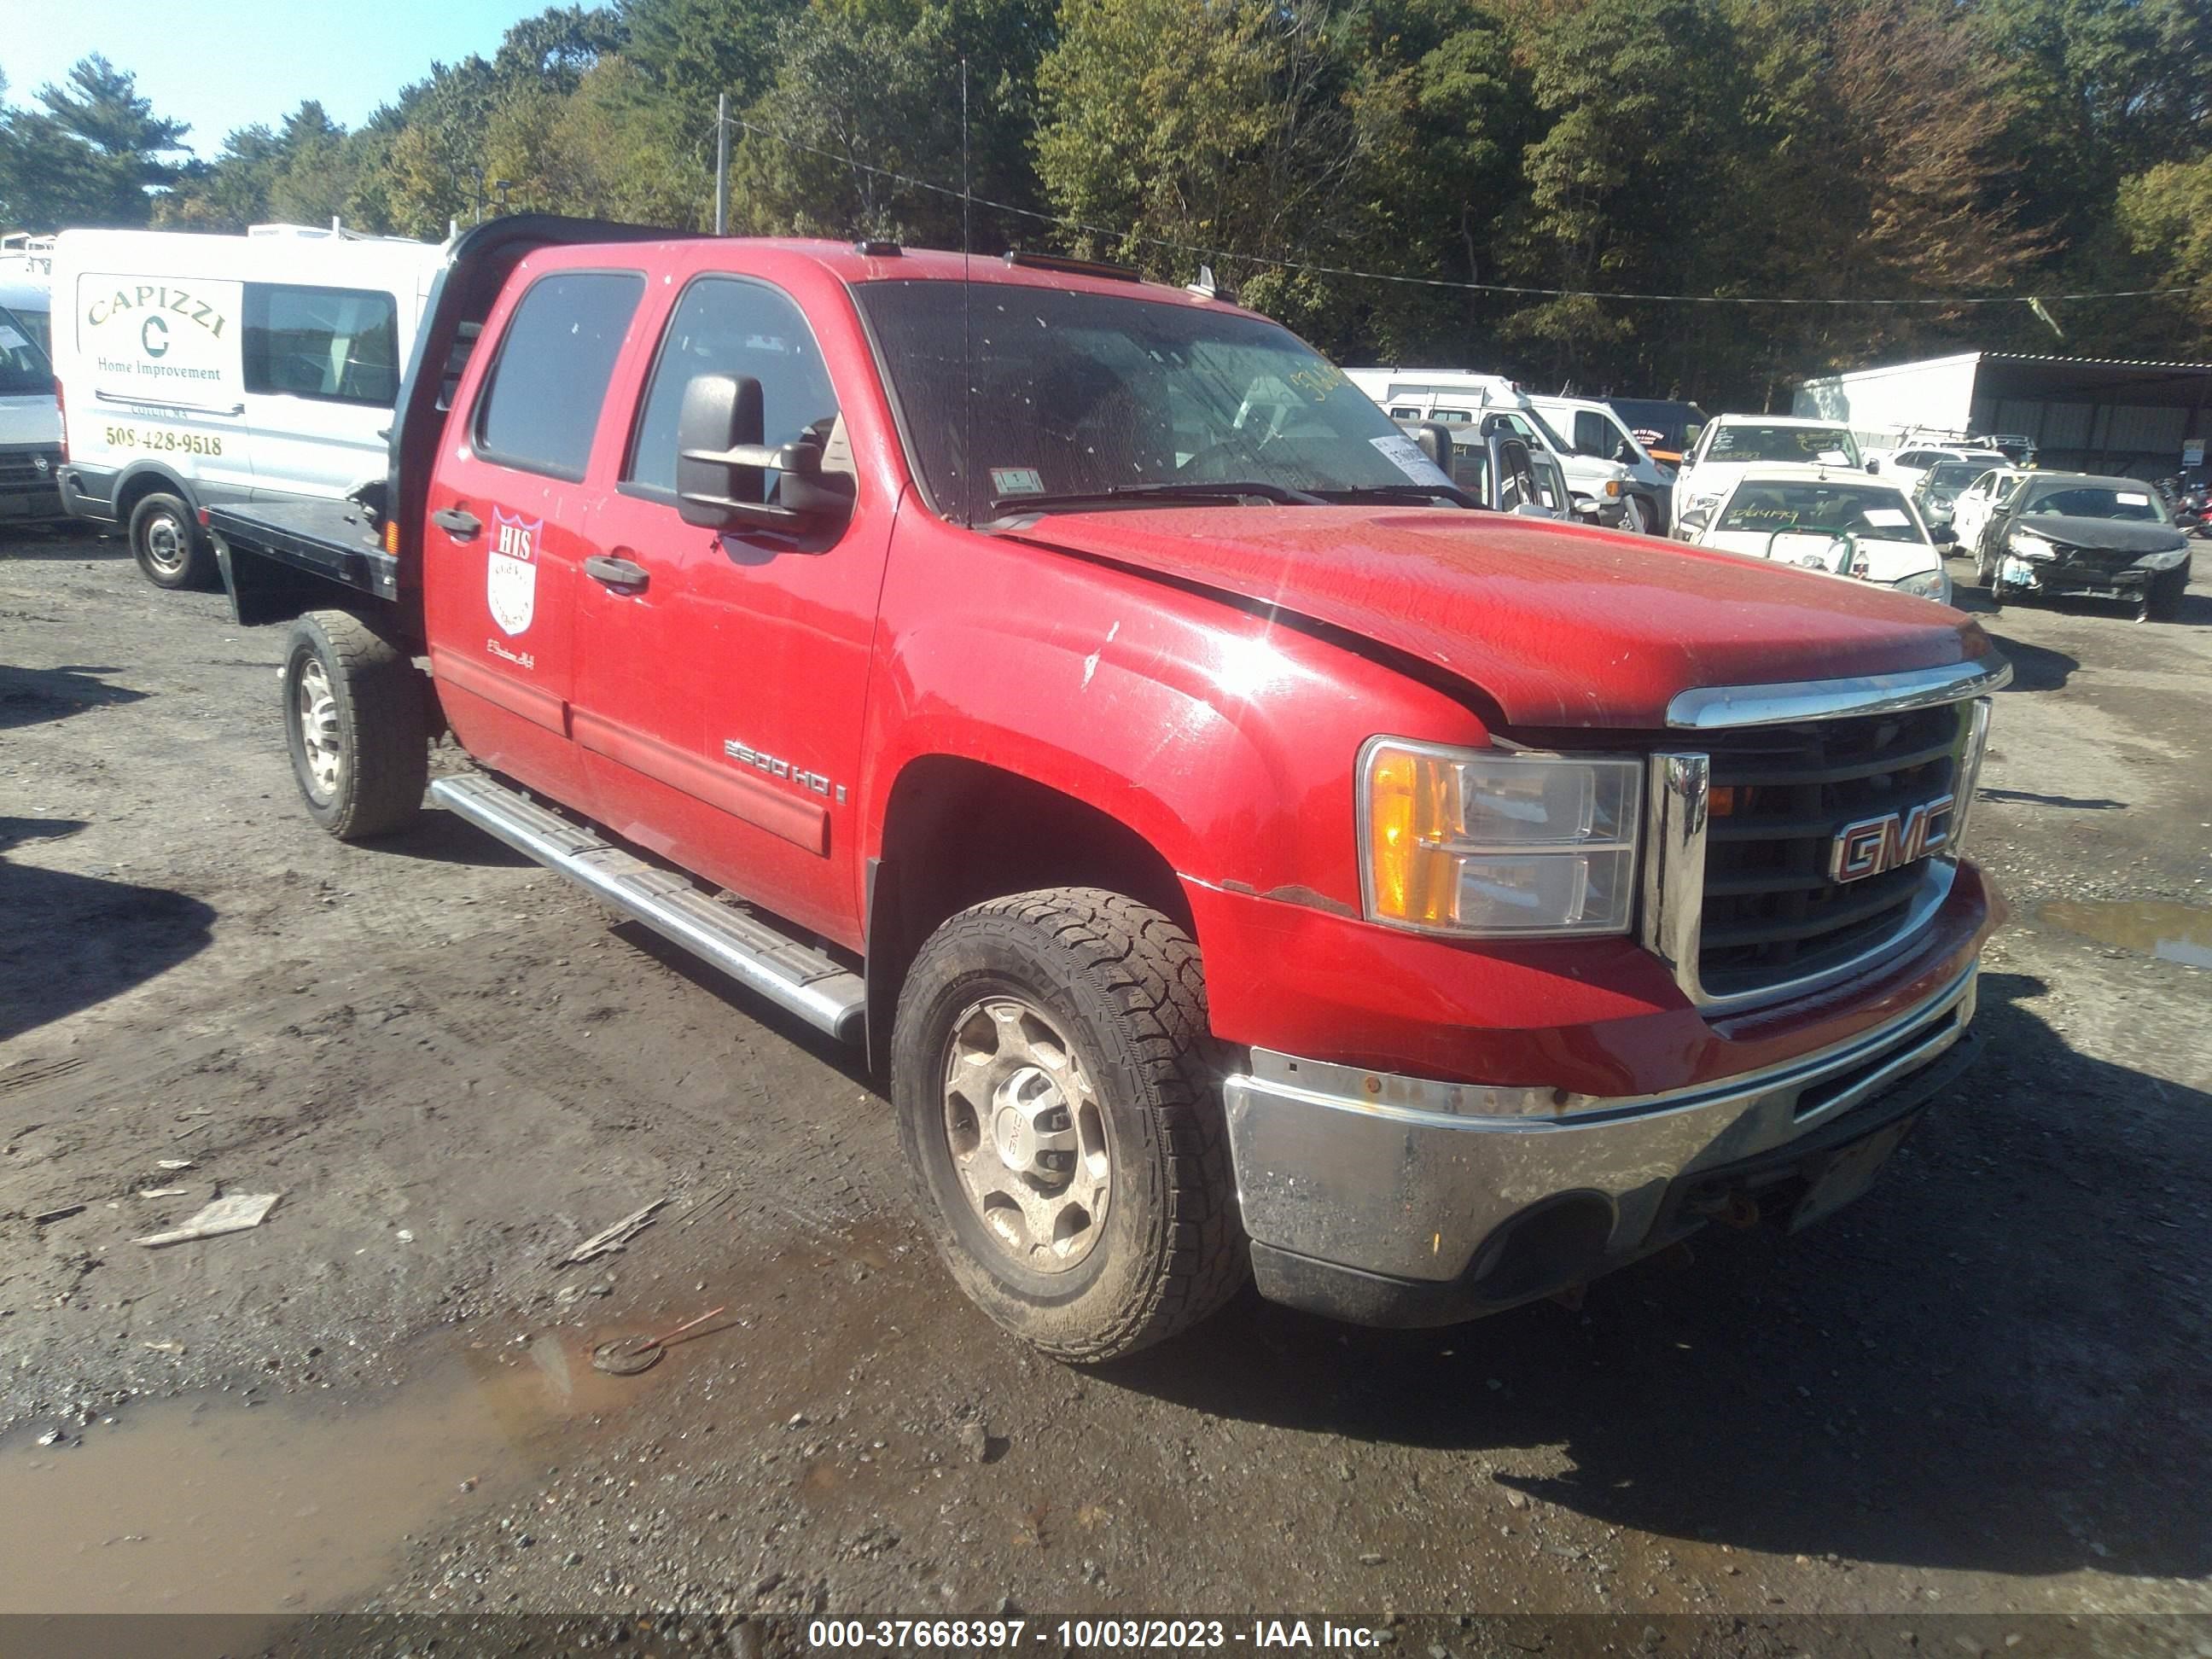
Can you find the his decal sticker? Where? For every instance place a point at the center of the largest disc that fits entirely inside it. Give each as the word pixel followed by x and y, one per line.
pixel 511 577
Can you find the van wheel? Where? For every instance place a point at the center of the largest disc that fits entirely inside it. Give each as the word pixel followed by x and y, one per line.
pixel 169 545
pixel 1061 1113
pixel 1638 516
pixel 355 719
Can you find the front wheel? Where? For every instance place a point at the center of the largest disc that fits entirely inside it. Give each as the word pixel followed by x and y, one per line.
pixel 1060 1113
pixel 356 721
pixel 1638 516
pixel 167 544
pixel 2162 602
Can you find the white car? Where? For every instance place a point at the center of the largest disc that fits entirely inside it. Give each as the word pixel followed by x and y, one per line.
pixel 1834 520
pixel 1981 500
pixel 1907 467
pixel 1731 444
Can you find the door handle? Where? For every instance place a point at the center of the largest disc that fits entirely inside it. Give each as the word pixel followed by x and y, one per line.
pixel 458 522
pixel 622 575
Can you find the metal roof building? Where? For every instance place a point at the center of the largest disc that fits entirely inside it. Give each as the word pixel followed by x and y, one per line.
pixel 2089 414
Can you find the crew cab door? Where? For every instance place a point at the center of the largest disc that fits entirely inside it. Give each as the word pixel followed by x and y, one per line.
pixel 505 519
pixel 722 674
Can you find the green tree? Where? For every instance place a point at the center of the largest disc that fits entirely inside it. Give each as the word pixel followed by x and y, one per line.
pixel 91 156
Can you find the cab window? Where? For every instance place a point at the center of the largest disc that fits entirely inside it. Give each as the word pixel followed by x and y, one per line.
pixel 729 326
pixel 541 402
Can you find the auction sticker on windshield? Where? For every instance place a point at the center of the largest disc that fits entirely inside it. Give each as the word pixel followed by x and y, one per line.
pixel 1405 455
pixel 1016 481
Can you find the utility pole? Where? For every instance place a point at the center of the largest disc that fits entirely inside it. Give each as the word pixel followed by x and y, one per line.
pixel 722 165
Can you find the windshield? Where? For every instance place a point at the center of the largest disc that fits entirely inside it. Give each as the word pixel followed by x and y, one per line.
pixel 1077 394
pixel 1751 441
pixel 1955 475
pixel 24 370
pixel 2097 500
pixel 1866 511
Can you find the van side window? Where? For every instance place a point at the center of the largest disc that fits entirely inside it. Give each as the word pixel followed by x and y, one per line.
pixel 1594 435
pixel 340 345
pixel 727 326
pixel 541 402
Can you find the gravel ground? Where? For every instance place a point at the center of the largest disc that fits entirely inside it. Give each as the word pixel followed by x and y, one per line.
pixel 1982 1389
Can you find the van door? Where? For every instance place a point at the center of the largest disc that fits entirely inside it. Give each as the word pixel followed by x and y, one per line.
pixel 157 378
pixel 507 520
pixel 721 675
pixel 321 371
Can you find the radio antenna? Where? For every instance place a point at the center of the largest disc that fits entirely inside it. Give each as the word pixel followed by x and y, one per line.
pixel 967 312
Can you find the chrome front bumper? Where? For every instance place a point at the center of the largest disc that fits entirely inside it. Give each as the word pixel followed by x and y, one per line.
pixel 1409 1180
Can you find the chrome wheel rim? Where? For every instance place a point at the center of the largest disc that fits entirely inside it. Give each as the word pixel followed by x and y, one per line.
pixel 166 547
pixel 1026 1134
pixel 317 711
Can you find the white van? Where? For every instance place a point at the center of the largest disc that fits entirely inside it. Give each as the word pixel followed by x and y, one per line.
pixel 1605 491
pixel 196 369
pixel 30 424
pixel 1596 431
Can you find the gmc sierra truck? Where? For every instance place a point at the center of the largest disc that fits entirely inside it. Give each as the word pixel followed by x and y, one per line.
pixel 1241 854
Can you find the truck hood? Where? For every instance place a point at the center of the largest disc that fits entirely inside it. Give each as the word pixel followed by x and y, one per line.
pixel 1556 625
pixel 2104 535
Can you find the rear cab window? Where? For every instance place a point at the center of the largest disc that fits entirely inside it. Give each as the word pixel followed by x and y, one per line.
pixel 540 406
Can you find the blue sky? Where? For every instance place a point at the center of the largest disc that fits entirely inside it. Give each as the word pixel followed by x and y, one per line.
pixel 226 64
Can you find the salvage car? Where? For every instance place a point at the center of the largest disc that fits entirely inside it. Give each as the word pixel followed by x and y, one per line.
pixel 1731 443
pixel 1240 856
pixel 1937 492
pixel 1978 500
pixel 1828 519
pixel 2081 533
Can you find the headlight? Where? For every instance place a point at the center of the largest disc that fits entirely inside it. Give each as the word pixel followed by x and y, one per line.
pixel 1928 585
pixel 2029 545
pixel 1475 843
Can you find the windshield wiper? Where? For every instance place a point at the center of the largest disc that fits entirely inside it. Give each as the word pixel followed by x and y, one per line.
pixel 1397 492
pixel 1233 490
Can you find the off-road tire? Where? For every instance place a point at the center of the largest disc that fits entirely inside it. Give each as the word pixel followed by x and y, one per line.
pixel 1125 983
pixel 166 540
pixel 2163 600
pixel 377 722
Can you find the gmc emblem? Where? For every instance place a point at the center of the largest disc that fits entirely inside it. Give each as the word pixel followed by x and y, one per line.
pixel 1874 845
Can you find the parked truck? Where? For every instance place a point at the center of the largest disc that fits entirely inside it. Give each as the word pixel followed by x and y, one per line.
pixel 1240 858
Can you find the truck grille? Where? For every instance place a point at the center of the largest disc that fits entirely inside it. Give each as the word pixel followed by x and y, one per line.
pixel 1772 912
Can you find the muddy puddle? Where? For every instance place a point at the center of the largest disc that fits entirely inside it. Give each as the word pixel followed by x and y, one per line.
pixel 2171 932
pixel 204 1504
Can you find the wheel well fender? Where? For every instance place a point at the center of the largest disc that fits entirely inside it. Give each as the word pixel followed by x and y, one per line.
pixel 957 831
pixel 144 478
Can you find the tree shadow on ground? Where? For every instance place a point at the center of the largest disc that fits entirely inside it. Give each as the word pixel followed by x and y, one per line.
pixel 73 941
pixel 30 696
pixel 1999 1360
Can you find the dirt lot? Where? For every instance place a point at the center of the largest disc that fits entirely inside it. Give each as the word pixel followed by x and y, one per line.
pixel 1987 1388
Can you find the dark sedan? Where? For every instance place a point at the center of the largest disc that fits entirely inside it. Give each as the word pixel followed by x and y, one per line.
pixel 2076 532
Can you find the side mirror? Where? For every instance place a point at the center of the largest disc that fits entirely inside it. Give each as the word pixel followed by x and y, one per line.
pixel 1625 455
pixel 1873 466
pixel 721 464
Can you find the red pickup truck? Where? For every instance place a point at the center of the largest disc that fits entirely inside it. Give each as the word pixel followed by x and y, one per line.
pixel 1241 854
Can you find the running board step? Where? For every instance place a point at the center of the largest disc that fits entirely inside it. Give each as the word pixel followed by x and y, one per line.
pixel 807 981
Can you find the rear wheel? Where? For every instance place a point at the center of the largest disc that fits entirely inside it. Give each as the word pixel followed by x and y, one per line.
pixel 356 721
pixel 167 544
pixel 1059 1111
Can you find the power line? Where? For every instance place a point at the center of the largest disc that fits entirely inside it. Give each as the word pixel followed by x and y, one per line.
pixel 1124 236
